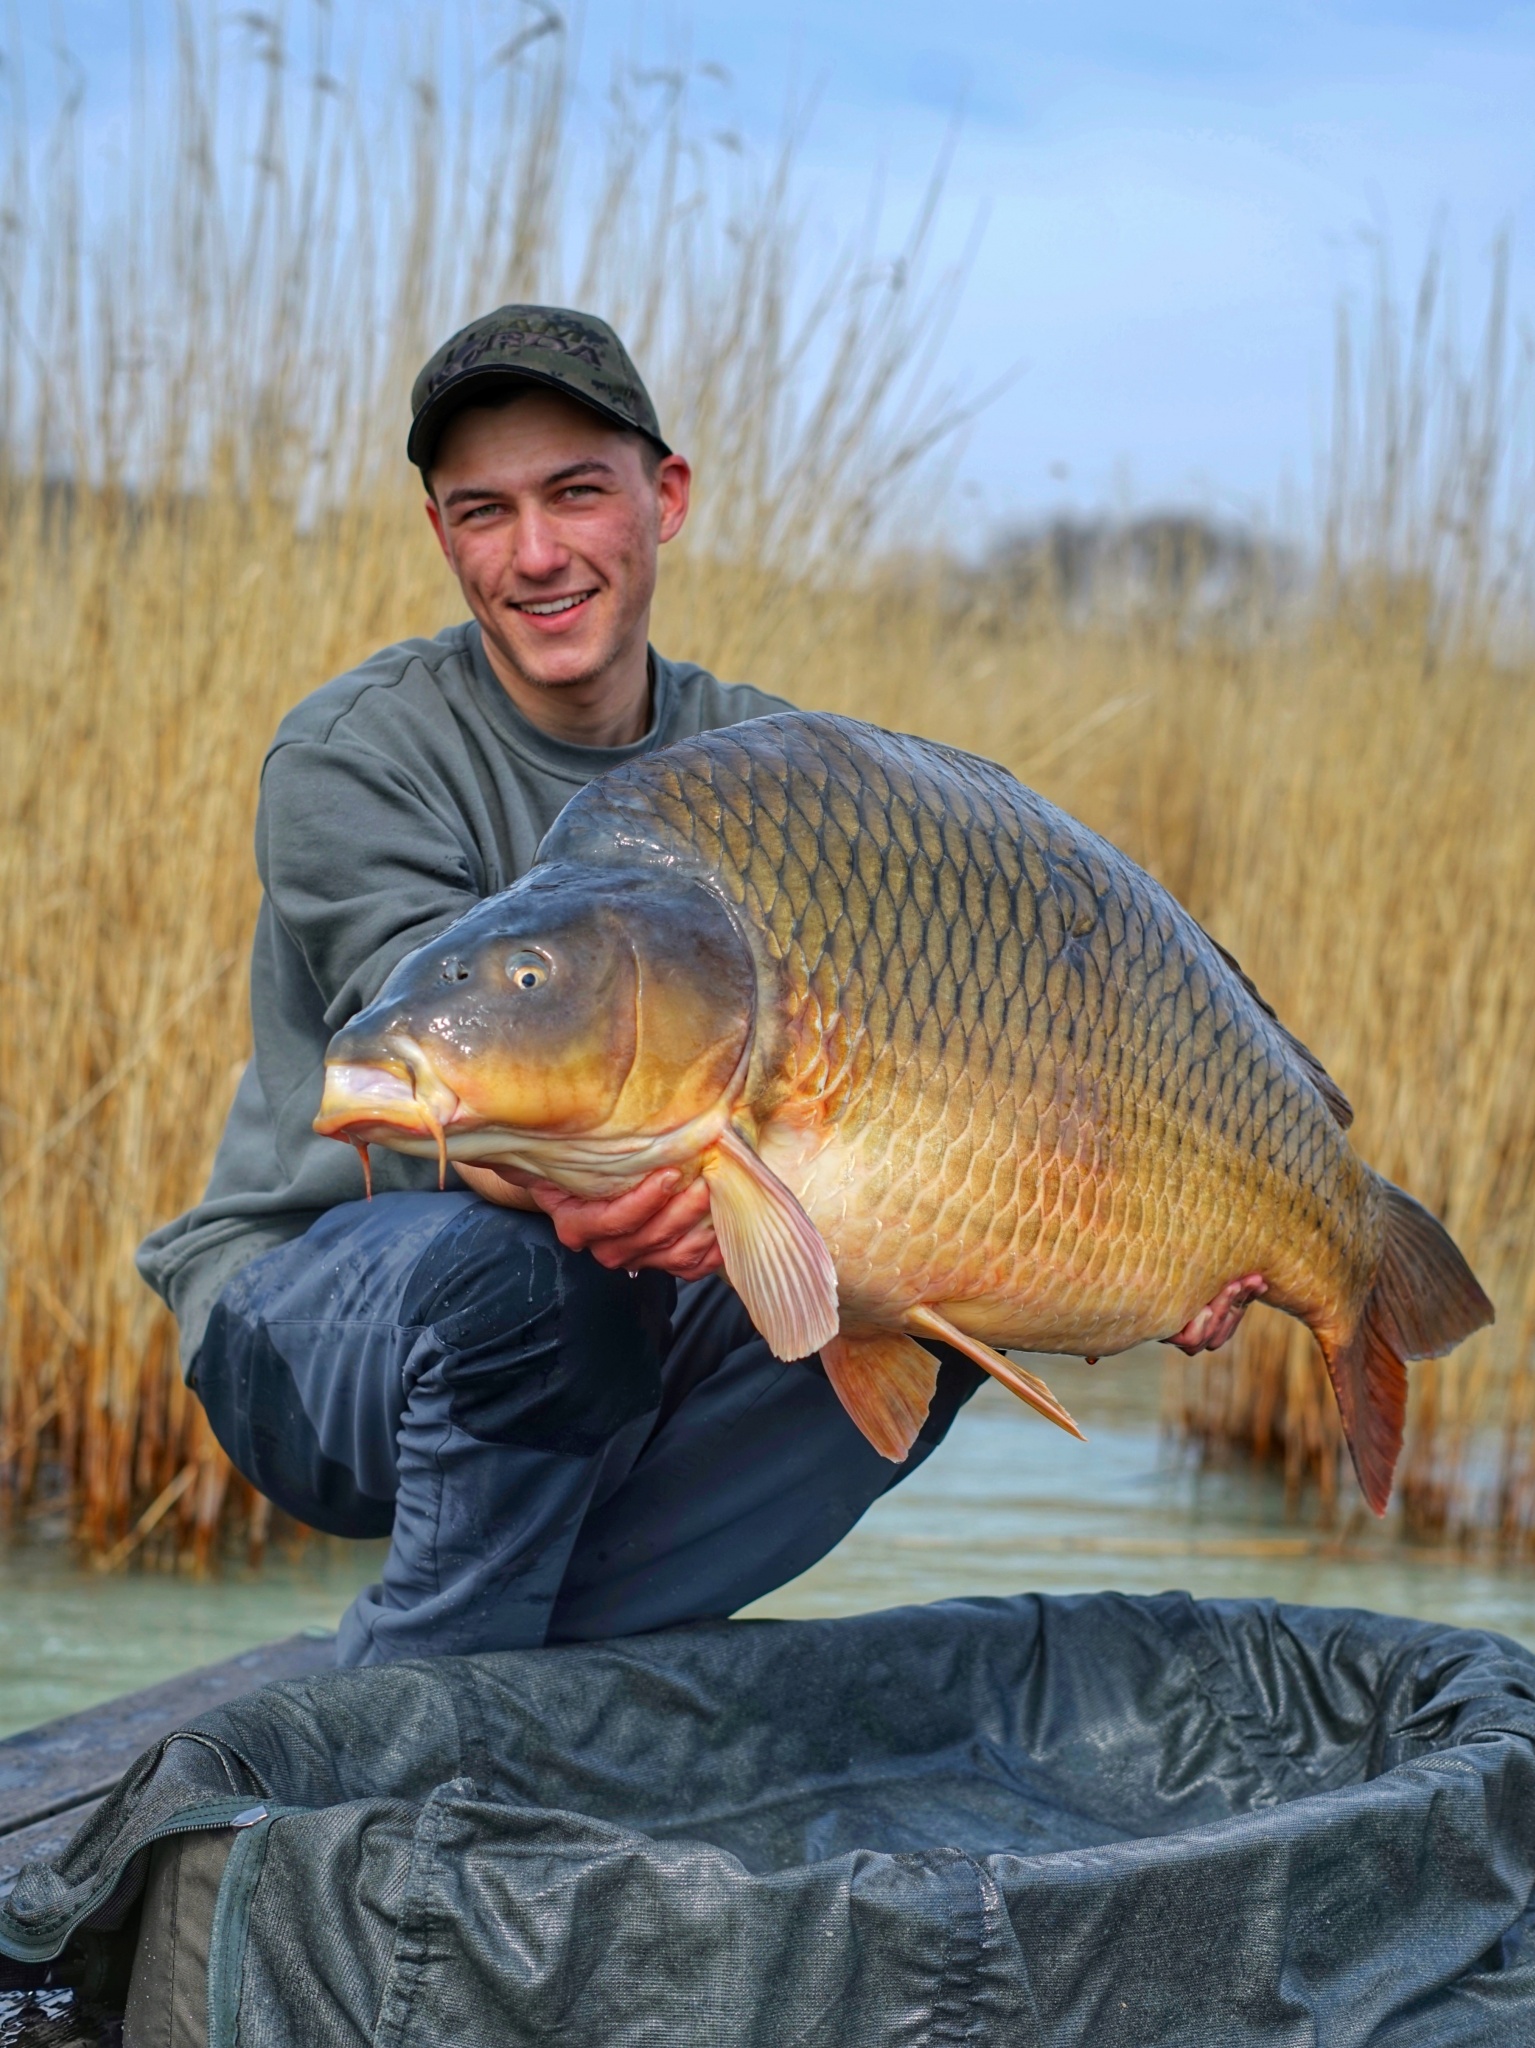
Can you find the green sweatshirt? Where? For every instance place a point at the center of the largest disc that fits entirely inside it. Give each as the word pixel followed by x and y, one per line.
pixel 392 800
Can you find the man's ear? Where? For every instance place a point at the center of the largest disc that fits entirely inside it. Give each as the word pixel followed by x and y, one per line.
pixel 674 485
pixel 434 513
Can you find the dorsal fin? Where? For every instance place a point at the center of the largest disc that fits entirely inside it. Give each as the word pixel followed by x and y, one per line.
pixel 1342 1109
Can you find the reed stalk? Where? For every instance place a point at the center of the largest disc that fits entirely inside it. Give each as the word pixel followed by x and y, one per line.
pixel 206 511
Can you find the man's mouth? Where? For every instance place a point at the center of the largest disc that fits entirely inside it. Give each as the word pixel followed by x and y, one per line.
pixel 551 607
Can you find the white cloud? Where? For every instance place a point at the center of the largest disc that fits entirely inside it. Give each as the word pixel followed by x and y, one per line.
pixel 1175 196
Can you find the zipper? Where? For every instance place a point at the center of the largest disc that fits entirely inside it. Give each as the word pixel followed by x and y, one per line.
pixel 240 1813
pixel 231 1921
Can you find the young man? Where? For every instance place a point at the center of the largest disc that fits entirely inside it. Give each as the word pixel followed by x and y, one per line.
pixel 555 1408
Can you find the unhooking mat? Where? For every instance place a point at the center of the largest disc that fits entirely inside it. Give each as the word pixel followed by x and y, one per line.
pixel 1099 1820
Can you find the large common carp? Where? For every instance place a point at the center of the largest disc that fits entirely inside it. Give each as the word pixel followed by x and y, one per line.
pixel 952 1067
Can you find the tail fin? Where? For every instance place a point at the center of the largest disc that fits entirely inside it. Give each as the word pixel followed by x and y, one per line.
pixel 1425 1301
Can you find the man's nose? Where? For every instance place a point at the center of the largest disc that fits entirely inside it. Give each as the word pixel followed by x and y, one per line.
pixel 537 550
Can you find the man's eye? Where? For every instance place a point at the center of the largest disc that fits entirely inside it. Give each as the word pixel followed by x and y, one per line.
pixel 527 970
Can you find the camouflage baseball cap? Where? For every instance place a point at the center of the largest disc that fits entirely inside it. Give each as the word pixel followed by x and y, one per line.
pixel 571 352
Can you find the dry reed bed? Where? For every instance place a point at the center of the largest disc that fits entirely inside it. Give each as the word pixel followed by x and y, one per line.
pixel 1342 798
pixel 1352 820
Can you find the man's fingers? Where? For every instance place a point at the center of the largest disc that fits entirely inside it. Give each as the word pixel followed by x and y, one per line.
pixel 698 1253
pixel 612 1232
pixel 651 1246
pixel 687 1257
pixel 657 1223
pixel 582 1219
pixel 1216 1323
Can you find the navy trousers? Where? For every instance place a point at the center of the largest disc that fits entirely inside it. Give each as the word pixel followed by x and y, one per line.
pixel 556 1452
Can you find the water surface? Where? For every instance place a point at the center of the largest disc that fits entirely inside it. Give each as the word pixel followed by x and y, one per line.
pixel 1011 1504
pixel 1007 1505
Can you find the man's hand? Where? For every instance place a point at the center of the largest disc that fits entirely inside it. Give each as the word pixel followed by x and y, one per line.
pixel 658 1222
pixel 1216 1323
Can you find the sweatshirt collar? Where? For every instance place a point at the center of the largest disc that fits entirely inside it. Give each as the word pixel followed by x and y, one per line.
pixel 561 758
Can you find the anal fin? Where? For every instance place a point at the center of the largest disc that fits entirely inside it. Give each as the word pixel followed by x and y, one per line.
pixel 885 1382
pixel 775 1258
pixel 926 1322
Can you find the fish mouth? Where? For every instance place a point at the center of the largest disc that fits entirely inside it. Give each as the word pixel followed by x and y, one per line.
pixel 379 1101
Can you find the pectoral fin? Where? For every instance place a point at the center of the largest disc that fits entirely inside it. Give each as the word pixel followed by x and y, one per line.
pixel 927 1322
pixel 775 1258
pixel 885 1382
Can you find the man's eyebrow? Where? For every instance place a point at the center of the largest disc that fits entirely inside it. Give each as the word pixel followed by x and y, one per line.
pixel 583 468
pixel 589 465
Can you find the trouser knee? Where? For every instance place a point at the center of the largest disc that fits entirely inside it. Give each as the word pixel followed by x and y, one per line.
pixel 461 1313
pixel 256 1410
pixel 534 1344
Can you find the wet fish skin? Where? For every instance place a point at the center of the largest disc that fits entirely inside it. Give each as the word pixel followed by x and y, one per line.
pixel 1002 1069
pixel 985 1021
pixel 996 1087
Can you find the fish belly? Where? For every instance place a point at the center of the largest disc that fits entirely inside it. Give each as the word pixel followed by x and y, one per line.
pixel 1089 1240
pixel 1006 1074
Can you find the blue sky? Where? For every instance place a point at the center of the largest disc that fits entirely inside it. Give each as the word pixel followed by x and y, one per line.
pixel 1174 197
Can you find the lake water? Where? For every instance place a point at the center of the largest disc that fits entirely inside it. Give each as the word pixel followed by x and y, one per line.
pixel 1007 1505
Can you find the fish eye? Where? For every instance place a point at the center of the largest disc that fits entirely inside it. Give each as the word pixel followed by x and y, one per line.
pixel 527 970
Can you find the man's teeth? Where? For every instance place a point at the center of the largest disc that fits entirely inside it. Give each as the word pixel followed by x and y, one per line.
pixel 555 604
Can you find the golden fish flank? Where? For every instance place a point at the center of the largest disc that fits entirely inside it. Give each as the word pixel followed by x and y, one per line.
pixel 952 1066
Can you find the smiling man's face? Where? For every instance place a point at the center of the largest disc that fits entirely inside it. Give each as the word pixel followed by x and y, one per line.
pixel 551 519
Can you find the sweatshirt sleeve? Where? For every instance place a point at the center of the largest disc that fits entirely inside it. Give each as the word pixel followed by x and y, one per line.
pixel 358 865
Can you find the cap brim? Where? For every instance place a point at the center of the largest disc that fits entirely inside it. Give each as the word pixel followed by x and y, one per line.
pixel 426 428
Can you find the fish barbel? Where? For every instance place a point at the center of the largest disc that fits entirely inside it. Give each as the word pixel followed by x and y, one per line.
pixel 952 1067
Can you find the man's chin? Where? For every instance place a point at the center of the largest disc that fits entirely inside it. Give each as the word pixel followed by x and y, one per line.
pixel 545 663
pixel 553 663
pixel 552 676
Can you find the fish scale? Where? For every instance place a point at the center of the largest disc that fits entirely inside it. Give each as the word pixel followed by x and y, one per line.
pixel 994 1087
pixel 962 931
